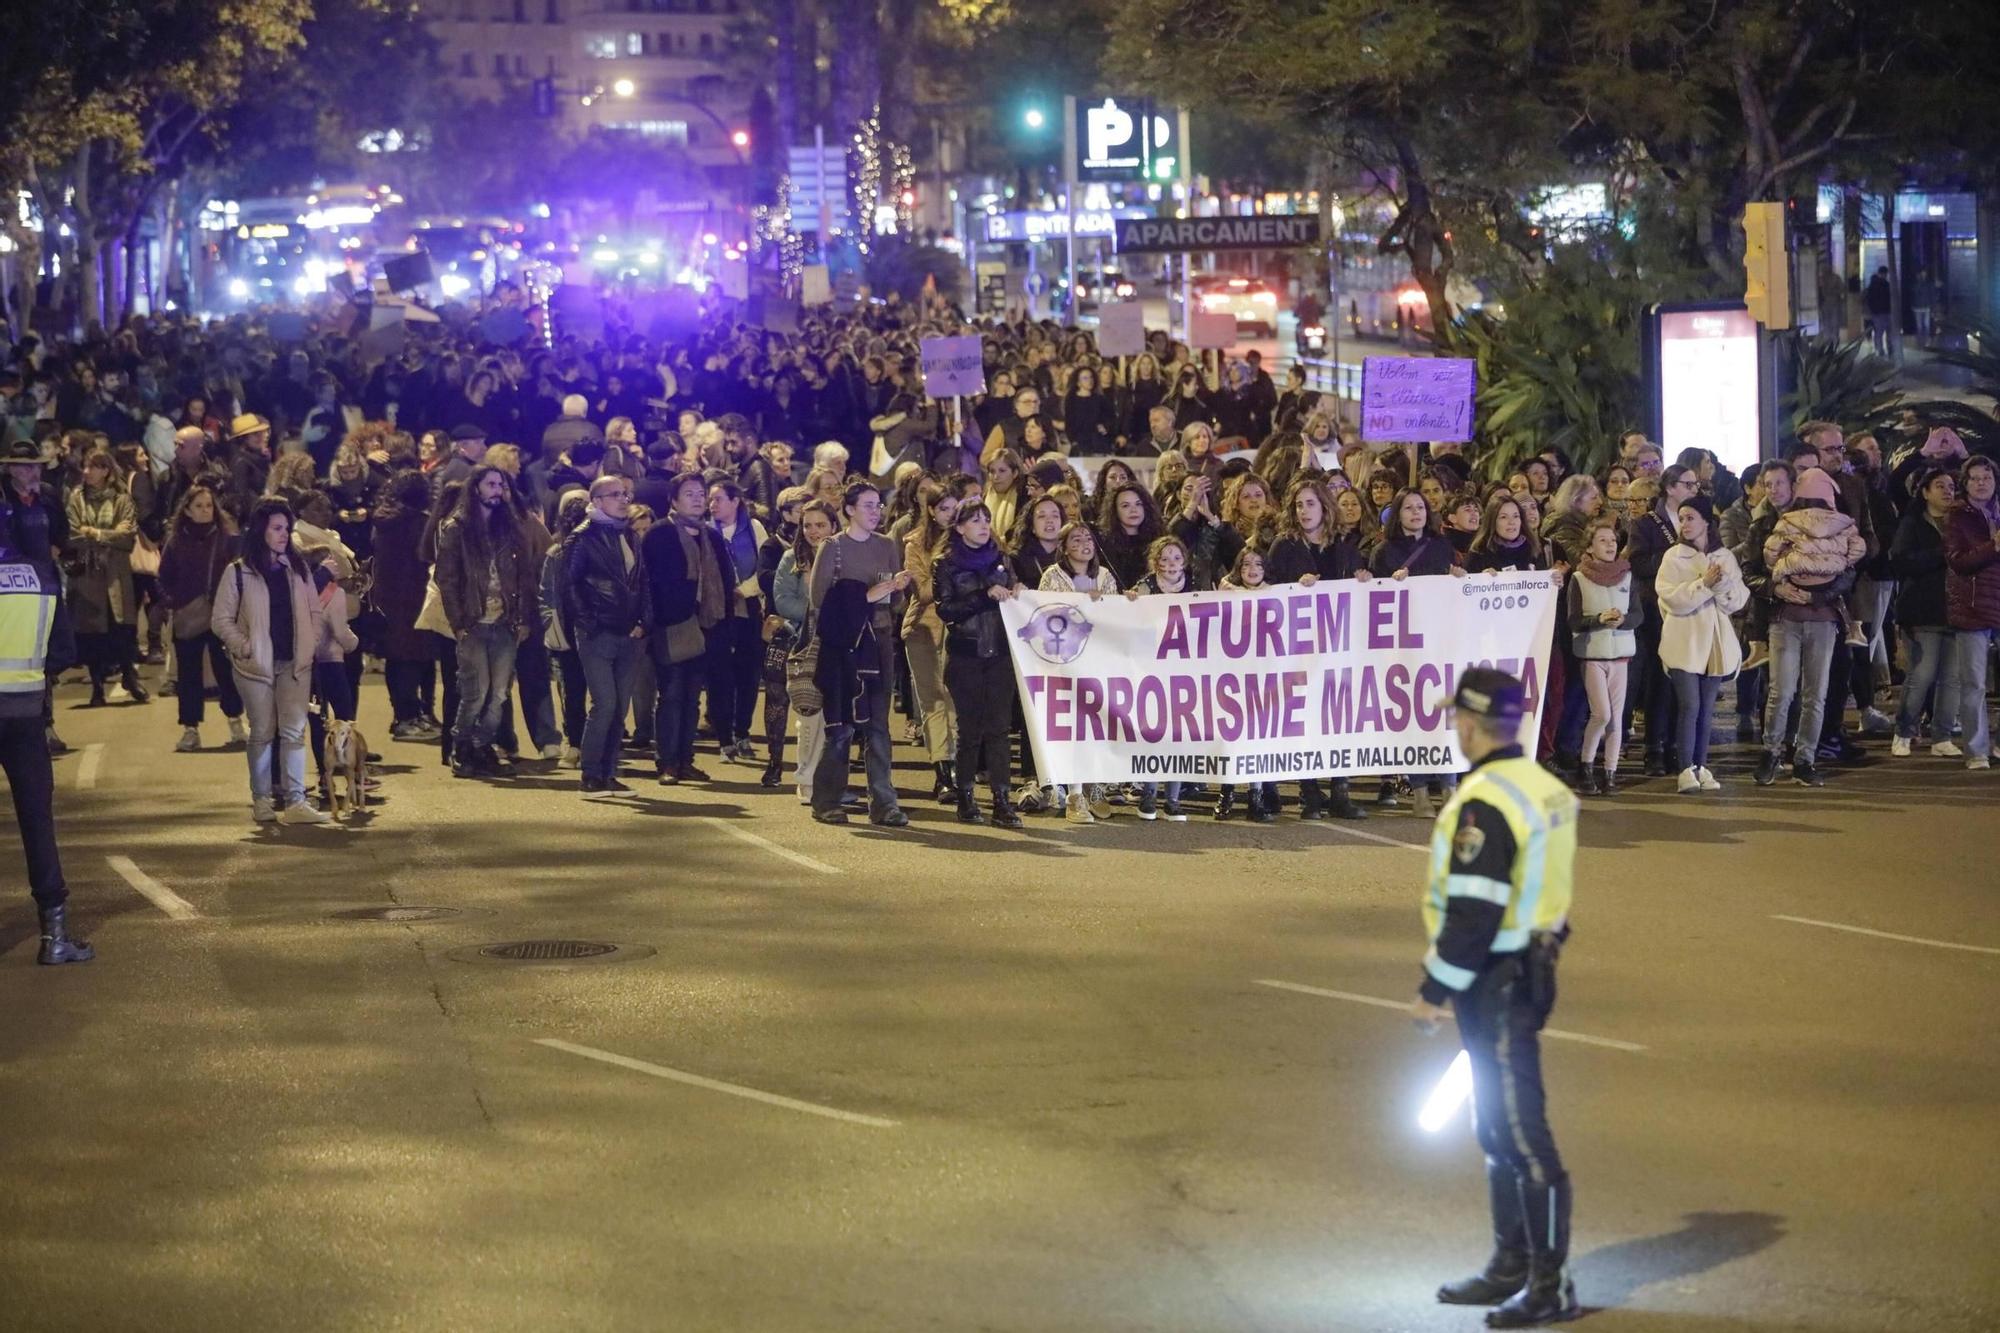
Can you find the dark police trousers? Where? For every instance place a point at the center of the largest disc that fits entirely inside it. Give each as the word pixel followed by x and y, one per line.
pixel 24 754
pixel 1500 1019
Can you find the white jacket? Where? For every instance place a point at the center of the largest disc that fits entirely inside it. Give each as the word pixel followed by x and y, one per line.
pixel 242 620
pixel 1695 633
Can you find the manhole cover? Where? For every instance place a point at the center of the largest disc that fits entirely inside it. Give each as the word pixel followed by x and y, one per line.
pixel 551 951
pixel 397 914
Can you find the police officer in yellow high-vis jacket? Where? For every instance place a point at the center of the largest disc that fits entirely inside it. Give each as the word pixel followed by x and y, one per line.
pixel 27 624
pixel 1496 910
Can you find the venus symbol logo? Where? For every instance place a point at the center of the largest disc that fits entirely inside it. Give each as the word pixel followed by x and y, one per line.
pixel 1057 633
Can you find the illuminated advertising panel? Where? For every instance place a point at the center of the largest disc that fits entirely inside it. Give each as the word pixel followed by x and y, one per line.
pixel 1706 378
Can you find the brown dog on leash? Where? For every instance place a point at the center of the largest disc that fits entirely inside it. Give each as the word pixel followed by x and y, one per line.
pixel 346 759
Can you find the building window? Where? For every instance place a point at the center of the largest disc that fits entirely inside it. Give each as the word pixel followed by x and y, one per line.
pixel 520 67
pixel 706 44
pixel 554 12
pixel 601 48
pixel 520 11
pixel 465 69
pixel 635 44
pixel 499 67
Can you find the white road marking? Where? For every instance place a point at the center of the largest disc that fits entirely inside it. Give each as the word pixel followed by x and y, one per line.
pixel 713 1085
pixel 1402 1006
pixel 87 766
pixel 1333 826
pixel 745 835
pixel 162 897
pixel 1886 935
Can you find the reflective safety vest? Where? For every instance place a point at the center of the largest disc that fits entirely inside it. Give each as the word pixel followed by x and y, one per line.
pixel 27 617
pixel 1541 812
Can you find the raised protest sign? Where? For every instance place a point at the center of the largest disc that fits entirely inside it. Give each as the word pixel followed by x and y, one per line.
pixel 1417 398
pixel 1269 685
pixel 815 285
pixel 1211 329
pixel 953 366
pixel 1268 231
pixel 1121 329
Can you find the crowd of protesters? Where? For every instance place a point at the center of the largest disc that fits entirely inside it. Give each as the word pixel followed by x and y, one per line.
pixel 584 556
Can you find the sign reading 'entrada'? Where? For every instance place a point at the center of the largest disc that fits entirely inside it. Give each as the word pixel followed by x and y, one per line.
pixel 1175 235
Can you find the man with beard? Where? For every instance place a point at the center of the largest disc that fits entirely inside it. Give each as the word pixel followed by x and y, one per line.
pixel 487 581
pixel 754 472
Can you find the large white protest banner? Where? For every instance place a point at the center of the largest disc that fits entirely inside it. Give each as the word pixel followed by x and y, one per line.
pixel 1269 685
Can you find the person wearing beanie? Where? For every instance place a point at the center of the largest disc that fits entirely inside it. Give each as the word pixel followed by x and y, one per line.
pixel 1698 588
pixel 1809 561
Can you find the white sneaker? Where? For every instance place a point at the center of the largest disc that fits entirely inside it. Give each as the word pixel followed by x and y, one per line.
pixel 304 812
pixel 263 811
pixel 1079 811
pixel 570 757
pixel 1875 722
pixel 238 733
pixel 1947 750
pixel 1900 747
pixel 189 742
pixel 1979 761
pixel 1707 779
pixel 1690 782
pixel 553 750
pixel 117 695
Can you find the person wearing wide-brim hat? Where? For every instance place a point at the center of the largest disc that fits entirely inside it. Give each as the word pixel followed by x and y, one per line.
pixel 249 442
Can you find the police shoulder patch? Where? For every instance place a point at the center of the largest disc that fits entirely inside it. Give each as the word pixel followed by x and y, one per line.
pixel 1469 841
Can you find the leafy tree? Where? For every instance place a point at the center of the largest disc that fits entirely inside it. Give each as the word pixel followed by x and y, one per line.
pixel 1431 104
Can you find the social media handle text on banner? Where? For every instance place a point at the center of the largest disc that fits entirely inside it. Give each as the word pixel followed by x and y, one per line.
pixel 1269 685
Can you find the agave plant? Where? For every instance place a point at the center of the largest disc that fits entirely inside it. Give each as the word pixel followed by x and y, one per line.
pixel 1845 383
pixel 1562 369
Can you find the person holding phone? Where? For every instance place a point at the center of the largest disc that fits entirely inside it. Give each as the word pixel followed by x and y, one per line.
pixel 858 581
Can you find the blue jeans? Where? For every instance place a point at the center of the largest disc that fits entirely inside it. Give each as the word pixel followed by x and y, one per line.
pixel 1931 654
pixel 1969 653
pixel 485 677
pixel 275 711
pixel 1694 698
pixel 871 701
pixel 608 662
pixel 1801 657
pixel 676 705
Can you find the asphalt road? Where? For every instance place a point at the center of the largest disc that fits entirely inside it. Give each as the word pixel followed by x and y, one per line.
pixel 1036 1081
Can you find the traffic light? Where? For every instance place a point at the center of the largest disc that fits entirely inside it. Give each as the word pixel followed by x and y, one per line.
pixel 1767 287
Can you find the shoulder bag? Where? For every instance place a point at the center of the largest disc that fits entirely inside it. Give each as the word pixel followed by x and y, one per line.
pixel 802 666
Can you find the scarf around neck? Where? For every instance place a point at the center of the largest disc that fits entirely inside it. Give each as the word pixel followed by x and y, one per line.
pixel 1604 573
pixel 703 568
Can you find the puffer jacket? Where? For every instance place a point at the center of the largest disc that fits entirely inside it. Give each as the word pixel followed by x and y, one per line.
pixel 972 623
pixel 1811 547
pixel 1972 577
pixel 1695 633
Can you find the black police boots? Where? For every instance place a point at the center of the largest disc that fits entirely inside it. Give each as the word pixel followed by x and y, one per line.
pixel 1549 1297
pixel 57 945
pixel 1507 1271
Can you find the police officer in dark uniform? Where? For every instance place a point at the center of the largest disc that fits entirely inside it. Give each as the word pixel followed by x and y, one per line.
pixel 32 644
pixel 1496 910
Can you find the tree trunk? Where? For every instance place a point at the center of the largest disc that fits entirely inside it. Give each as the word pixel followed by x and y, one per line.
pixel 1889 231
pixel 784 20
pixel 857 74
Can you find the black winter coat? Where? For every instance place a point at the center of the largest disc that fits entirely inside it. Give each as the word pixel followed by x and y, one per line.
pixel 674 590
pixel 603 596
pixel 972 623
pixel 1916 562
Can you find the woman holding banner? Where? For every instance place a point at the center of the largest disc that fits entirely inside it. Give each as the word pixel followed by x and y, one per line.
pixel 923 632
pixel 971 578
pixel 1310 547
pixel 1169 572
pixel 1414 547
